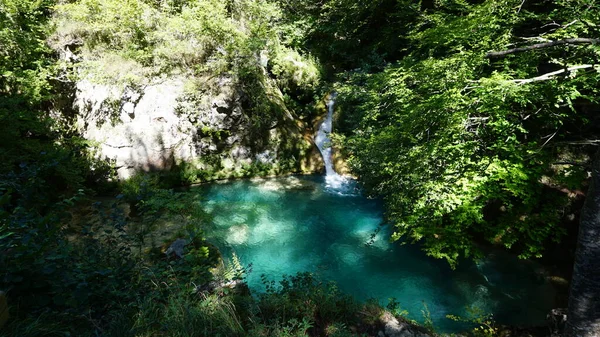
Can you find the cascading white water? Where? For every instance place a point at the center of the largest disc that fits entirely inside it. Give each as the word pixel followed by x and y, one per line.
pixel 332 178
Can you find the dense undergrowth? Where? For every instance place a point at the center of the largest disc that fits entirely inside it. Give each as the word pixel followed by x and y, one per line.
pixel 105 272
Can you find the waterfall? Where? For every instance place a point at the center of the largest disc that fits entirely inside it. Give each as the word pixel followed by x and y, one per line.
pixel 323 142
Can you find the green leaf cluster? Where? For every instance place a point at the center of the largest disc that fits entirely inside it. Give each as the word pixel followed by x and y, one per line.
pixel 460 148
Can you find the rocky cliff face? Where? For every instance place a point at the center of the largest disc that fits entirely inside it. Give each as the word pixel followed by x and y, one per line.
pixel 169 124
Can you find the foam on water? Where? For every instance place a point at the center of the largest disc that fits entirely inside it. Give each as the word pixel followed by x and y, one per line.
pixel 290 225
pixel 334 182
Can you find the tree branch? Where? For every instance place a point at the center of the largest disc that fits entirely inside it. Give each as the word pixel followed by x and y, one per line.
pixel 542 45
pixel 594 142
pixel 544 77
pixel 571 163
pixel 551 75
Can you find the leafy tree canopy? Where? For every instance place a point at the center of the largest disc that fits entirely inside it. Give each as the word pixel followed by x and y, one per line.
pixel 464 146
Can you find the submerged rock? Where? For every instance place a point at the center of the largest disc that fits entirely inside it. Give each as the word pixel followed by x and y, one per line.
pixel 238 234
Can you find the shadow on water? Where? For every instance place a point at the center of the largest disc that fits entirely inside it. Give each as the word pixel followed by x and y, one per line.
pixel 289 225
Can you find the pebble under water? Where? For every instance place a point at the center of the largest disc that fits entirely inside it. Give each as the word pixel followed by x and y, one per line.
pixel 296 224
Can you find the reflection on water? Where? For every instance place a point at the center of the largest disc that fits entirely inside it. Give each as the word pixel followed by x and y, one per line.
pixel 289 225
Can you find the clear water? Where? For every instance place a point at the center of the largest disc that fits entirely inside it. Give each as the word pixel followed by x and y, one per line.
pixel 289 225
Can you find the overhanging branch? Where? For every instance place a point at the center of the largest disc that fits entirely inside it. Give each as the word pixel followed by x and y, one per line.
pixel 544 77
pixel 594 142
pixel 551 75
pixel 580 40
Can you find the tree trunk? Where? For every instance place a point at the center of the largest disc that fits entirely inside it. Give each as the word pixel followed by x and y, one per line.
pixel 583 318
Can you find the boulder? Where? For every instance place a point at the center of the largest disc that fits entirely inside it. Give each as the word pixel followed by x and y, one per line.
pixel 176 248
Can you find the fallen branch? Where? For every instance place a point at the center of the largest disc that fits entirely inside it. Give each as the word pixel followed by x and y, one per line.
pixel 542 45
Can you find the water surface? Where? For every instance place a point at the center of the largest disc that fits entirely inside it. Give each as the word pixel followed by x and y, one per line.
pixel 289 225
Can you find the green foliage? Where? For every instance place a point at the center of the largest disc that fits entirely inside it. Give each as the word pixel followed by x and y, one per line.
pixel 294 71
pixel 302 301
pixel 91 265
pixel 181 314
pixel 346 34
pixel 55 272
pixel 460 149
pixel 280 312
pixel 44 172
pixel 44 325
pixel 483 322
pixel 134 42
pixel 24 63
pixel 394 307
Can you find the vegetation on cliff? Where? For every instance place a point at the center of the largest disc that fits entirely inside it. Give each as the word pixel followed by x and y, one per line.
pixel 134 42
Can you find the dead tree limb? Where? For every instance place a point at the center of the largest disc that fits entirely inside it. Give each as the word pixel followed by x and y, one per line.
pixel 544 77
pixel 580 40
pixel 551 75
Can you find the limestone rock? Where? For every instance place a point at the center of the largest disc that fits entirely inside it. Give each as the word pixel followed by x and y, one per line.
pixel 395 328
pixel 138 130
pixel 177 248
pixel 161 125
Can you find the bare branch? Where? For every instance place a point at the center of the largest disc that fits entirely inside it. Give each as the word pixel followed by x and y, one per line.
pixel 549 139
pixel 544 77
pixel 570 23
pixel 551 75
pixel 542 45
pixel 535 113
pixel 521 6
pixel 534 38
pixel 594 142
pixel 551 24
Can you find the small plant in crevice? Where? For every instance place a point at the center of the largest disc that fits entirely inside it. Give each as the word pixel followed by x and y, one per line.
pixel 484 323
pixel 394 307
pixel 427 320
